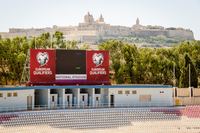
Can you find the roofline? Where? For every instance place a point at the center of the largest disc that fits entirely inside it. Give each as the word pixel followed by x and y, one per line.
pixel 82 86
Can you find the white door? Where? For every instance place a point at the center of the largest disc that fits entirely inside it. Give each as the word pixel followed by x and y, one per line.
pixel 83 99
pixel 68 100
pixel 54 100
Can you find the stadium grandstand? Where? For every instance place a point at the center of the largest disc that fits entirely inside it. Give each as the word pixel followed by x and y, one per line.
pixel 70 91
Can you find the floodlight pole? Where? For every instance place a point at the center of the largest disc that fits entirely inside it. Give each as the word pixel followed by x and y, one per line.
pixel 174 74
pixel 189 77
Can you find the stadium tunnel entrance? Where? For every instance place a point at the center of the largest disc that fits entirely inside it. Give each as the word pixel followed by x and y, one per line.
pixel 69 98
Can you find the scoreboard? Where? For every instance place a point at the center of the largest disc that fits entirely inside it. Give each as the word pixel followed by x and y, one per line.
pixel 69 67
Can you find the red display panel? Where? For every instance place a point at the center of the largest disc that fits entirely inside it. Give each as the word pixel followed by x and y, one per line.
pixel 97 66
pixel 42 66
pixel 68 67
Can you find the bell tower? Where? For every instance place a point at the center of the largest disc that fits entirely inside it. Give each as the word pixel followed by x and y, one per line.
pixel 137 21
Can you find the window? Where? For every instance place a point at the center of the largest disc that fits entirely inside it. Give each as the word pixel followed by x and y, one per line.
pixel 120 92
pixel 15 94
pixel 1 94
pixel 127 92
pixel 9 94
pixel 161 91
pixel 134 92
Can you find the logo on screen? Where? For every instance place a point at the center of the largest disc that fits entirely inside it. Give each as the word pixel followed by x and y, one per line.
pixel 97 59
pixel 42 58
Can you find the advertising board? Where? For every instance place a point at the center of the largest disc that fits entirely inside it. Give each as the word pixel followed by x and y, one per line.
pixel 69 67
pixel 97 66
pixel 42 65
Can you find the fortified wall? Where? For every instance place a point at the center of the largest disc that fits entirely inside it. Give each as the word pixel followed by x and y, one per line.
pixel 92 31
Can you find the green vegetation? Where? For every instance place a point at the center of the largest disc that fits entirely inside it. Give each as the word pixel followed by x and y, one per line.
pixel 134 65
pixel 13 53
pixel 128 63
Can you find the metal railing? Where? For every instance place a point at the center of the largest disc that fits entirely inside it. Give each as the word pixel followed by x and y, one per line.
pixel 83 106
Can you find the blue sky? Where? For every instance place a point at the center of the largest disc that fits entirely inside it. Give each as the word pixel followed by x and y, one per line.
pixel 46 13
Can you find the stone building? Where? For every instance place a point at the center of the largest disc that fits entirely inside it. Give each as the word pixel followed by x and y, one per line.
pixel 93 31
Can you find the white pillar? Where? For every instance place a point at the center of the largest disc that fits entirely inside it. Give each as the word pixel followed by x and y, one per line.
pixel 91 97
pixel 76 96
pixel 49 99
pixel 33 99
pixel 61 95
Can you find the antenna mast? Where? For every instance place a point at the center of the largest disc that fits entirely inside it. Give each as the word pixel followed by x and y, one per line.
pixel 26 71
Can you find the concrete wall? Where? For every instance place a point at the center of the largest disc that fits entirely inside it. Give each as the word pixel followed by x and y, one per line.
pixel 187 96
pixel 196 92
pixel 18 102
pixel 187 101
pixel 159 96
pixel 143 97
pixel 183 92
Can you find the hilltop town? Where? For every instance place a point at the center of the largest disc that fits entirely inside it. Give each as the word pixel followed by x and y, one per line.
pixel 93 31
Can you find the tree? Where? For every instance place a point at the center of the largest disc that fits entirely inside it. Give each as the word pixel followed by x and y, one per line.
pixel 130 55
pixel 5 52
pixel 59 40
pixel 71 45
pixel 128 63
pixel 184 82
pixel 85 46
pixel 19 48
pixel 116 59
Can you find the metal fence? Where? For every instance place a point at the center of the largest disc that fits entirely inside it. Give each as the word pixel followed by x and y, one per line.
pixel 82 106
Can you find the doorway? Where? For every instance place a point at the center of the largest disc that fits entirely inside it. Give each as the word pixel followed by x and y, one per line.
pixel 112 100
pixel 29 102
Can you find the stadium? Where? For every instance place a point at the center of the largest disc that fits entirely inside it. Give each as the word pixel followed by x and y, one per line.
pixel 70 91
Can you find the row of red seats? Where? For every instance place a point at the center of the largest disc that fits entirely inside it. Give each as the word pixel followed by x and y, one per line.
pixel 6 117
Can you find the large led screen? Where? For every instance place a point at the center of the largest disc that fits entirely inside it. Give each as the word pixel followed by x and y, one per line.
pixel 71 65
